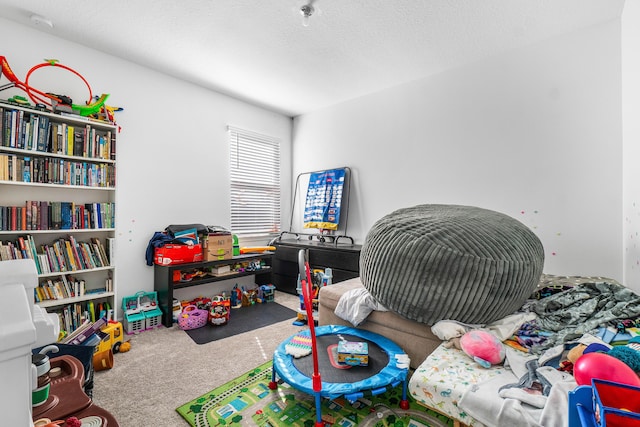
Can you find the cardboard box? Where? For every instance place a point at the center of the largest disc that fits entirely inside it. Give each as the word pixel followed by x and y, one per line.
pixel 177 254
pixel 218 246
pixel 220 270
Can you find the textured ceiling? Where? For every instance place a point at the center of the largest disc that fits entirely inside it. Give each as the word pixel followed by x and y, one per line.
pixel 259 51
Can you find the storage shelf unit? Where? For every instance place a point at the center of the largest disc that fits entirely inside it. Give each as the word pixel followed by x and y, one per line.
pixel 164 283
pixel 343 259
pixel 84 177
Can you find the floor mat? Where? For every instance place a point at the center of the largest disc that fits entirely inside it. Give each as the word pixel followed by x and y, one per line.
pixel 247 400
pixel 243 320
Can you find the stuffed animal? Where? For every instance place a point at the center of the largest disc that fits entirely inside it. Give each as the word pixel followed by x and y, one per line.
pixel 483 347
pixel 629 354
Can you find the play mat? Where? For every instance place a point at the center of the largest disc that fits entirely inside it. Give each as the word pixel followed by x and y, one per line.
pixel 247 400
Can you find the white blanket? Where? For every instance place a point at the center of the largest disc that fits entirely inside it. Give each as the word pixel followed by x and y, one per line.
pixel 355 305
pixel 484 403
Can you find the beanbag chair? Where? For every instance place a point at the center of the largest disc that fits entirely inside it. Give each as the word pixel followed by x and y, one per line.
pixel 464 263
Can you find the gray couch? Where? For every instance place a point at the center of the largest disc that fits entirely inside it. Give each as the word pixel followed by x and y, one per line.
pixel 413 337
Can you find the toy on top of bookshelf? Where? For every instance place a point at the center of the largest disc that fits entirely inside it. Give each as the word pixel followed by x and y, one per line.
pixel 94 106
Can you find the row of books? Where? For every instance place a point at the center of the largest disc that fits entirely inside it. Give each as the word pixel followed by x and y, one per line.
pixel 72 316
pixel 83 318
pixel 32 131
pixel 64 288
pixel 62 255
pixel 45 215
pixel 53 170
pixel 57 289
pixel 79 315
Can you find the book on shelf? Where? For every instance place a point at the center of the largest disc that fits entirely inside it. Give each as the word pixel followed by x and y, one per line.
pixel 101 251
pixel 111 242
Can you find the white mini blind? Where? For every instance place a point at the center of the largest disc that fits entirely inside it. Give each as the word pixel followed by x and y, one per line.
pixel 255 183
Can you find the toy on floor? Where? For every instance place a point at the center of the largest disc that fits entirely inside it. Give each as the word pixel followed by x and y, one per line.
pixel 220 311
pixel 141 312
pixel 192 317
pixel 236 297
pixel 249 297
pixel 111 341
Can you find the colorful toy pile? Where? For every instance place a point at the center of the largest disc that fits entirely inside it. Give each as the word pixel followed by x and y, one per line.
pixel 216 310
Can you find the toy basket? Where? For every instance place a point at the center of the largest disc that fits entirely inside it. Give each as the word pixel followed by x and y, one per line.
pixel 192 318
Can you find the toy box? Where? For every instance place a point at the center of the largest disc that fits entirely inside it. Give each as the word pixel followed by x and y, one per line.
pixel 353 353
pixel 615 404
pixel 177 254
pixel 141 312
pixel 218 246
pixel 148 303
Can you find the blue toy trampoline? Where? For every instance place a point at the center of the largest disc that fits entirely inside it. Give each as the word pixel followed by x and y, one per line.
pixel 321 375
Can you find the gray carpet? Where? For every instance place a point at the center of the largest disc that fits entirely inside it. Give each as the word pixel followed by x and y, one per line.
pixel 166 368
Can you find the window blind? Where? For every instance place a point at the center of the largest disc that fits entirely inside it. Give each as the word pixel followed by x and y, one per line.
pixel 255 183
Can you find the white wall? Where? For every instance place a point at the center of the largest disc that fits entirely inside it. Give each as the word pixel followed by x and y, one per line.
pixel 533 133
pixel 631 135
pixel 172 163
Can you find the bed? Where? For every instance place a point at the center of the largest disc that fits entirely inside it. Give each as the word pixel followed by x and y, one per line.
pixel 451 383
pixel 441 380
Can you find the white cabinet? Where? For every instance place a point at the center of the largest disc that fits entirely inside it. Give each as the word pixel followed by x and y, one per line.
pixel 57 205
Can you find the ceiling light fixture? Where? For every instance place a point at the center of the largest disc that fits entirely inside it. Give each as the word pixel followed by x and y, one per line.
pixel 41 20
pixel 306 11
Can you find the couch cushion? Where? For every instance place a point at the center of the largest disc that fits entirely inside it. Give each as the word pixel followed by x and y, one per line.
pixel 435 262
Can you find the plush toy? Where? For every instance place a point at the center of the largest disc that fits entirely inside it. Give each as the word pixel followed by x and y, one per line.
pixel 125 346
pixel 580 349
pixel 483 347
pixel 629 354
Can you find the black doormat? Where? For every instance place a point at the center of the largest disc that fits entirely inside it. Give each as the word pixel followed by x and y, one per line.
pixel 243 320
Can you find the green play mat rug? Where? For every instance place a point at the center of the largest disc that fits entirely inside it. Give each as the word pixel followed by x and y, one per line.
pixel 247 400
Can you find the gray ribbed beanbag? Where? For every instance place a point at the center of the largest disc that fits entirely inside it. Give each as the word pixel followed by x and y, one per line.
pixel 436 262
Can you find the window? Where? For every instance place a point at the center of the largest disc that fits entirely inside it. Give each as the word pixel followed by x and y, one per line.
pixel 255 183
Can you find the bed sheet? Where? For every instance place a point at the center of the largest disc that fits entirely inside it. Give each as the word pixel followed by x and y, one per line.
pixel 441 380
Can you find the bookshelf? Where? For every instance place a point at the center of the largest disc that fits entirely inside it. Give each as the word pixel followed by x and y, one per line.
pixel 57 207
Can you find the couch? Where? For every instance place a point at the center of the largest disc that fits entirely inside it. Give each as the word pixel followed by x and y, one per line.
pixel 415 338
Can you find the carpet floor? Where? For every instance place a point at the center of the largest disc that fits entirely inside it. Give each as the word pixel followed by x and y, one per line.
pixel 165 368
